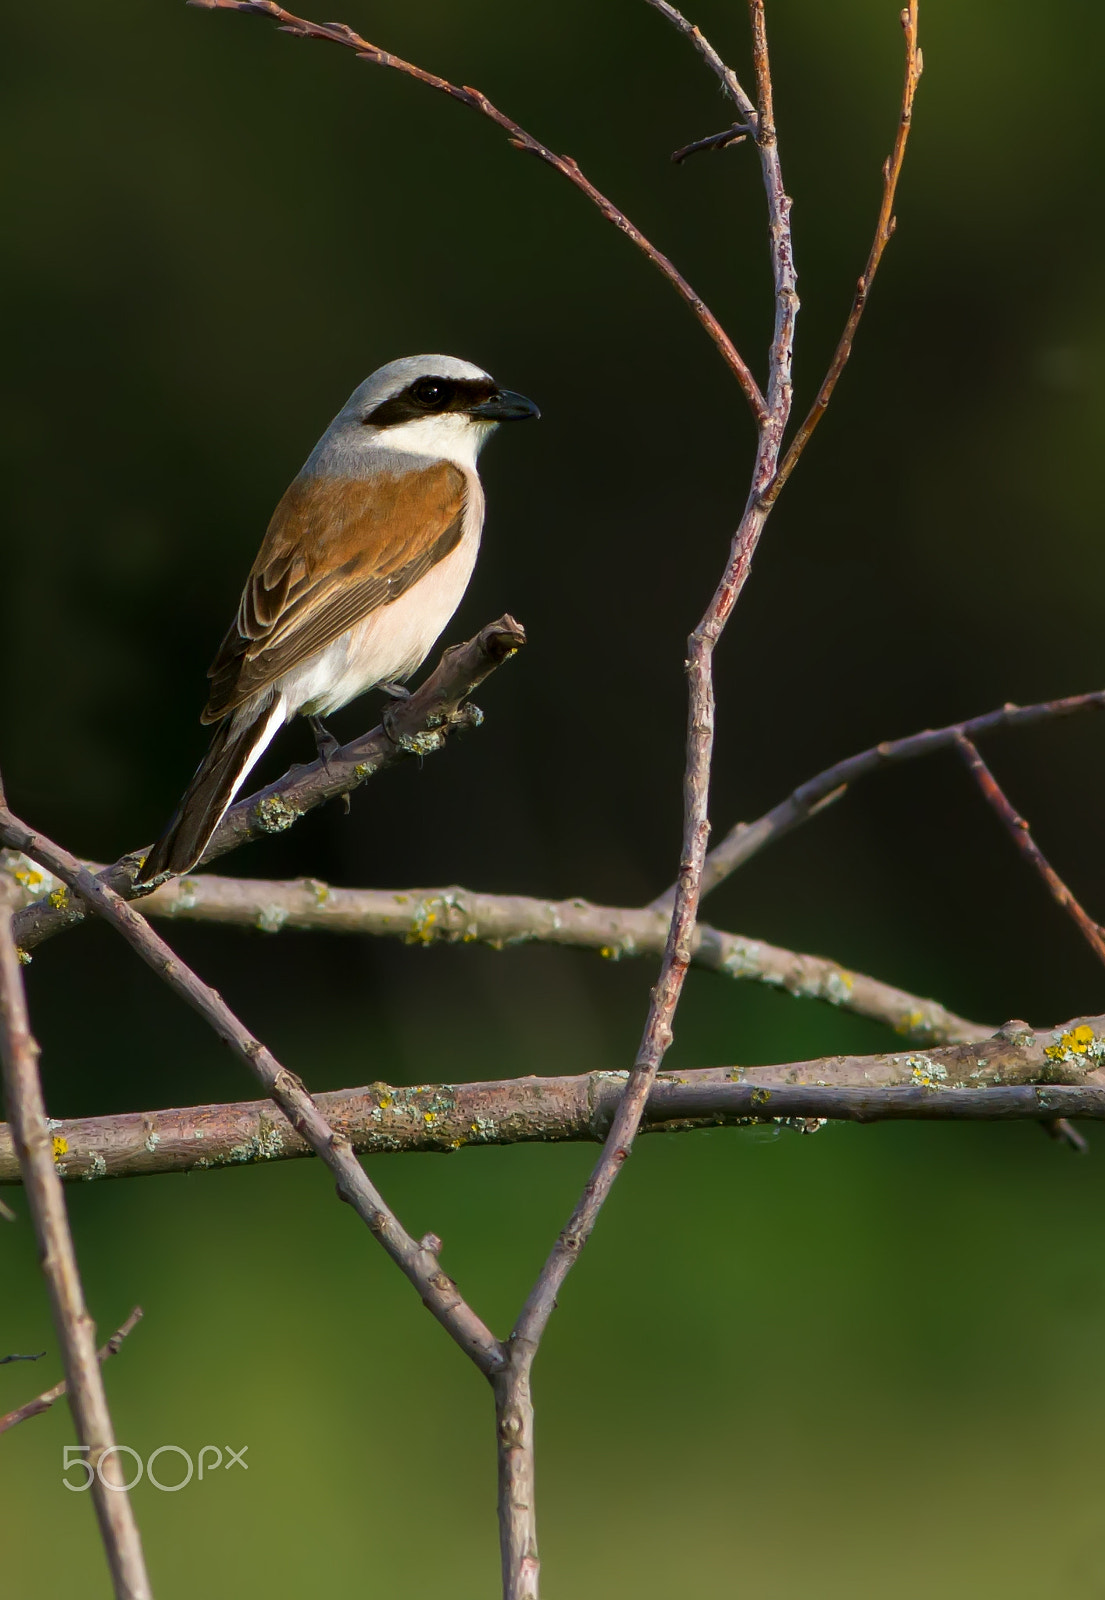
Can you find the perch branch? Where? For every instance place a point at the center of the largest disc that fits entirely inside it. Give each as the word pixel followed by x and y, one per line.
pixel 746 839
pixel 74 1327
pixel 338 33
pixel 417 1259
pixel 1050 1069
pixel 419 725
pixel 1017 828
pixel 43 1402
pixel 884 230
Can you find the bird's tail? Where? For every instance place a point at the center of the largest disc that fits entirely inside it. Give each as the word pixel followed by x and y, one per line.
pixel 238 743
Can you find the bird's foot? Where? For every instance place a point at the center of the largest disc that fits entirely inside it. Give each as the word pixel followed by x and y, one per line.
pixel 325 743
pixel 395 690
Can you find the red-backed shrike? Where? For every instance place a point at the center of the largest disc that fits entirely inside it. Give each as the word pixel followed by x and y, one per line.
pixel 365 560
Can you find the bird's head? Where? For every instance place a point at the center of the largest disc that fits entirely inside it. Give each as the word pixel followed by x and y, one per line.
pixel 434 406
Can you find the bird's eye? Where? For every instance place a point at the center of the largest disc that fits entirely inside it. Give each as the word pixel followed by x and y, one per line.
pixel 432 393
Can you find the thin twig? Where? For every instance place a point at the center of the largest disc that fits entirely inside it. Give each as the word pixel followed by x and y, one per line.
pixel 43 1402
pixel 417 726
pixel 37 1357
pixel 338 33
pixel 74 1327
pixel 725 74
pixel 417 1259
pixel 884 230
pixel 736 134
pixel 1064 1131
pixel 1017 828
pixel 382 1119
pixel 746 839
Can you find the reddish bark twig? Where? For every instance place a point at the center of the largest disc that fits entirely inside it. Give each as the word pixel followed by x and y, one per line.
pixel 1017 828
pixel 339 33
pixel 884 230
pixel 75 1329
pixel 43 1402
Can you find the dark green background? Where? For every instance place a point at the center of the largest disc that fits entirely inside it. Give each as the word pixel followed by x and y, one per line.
pixel 862 1364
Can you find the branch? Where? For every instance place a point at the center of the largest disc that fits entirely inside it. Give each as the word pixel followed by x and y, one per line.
pixel 417 1259
pixel 748 838
pixel 418 726
pixel 736 134
pixel 339 33
pixel 458 916
pixel 967 1081
pixel 725 74
pixel 44 1401
pixel 75 1329
pixel 884 229
pixel 514 1410
pixel 1017 828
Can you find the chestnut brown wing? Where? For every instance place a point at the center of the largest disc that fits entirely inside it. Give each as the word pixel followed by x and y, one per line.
pixel 335 550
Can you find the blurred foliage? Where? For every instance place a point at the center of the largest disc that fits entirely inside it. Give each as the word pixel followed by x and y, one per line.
pixel 821 1366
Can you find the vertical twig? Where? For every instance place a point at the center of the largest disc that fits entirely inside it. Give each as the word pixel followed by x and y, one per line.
pixel 1017 828
pixel 517 1518
pixel 75 1329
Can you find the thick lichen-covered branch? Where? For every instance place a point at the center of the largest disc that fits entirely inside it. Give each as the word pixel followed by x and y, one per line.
pixel 1017 1073
pixel 459 916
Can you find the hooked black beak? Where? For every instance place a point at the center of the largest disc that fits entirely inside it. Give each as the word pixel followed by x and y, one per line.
pixel 506 406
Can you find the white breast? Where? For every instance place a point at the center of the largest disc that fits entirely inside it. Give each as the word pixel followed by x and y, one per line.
pixel 394 640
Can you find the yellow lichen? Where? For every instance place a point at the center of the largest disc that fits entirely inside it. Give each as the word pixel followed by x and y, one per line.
pixel 60 898
pixel 61 1146
pixel 1078 1042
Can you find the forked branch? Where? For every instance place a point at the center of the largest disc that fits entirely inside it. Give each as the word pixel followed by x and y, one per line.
pixel 747 839
pixel 418 1260
pixel 43 1402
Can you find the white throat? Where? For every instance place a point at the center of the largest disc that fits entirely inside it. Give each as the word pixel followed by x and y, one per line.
pixel 450 437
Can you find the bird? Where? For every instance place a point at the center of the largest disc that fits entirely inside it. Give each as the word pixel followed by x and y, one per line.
pixel 365 560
